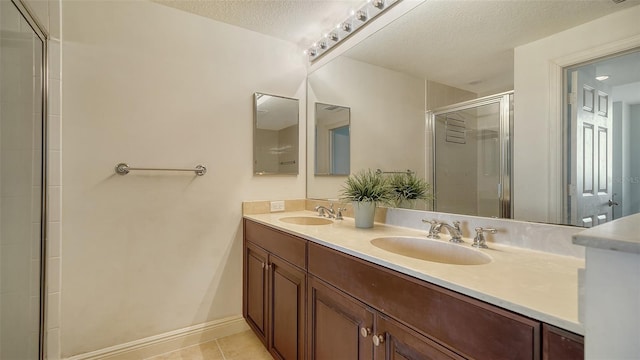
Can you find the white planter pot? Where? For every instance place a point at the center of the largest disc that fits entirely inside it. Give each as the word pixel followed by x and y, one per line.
pixel 364 212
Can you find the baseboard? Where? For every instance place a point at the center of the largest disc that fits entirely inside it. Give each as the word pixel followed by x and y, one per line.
pixel 170 341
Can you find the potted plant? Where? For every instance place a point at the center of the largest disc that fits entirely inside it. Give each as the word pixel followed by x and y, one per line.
pixel 366 189
pixel 407 188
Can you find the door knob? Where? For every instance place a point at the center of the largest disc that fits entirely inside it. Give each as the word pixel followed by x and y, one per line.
pixel 365 331
pixel 378 339
pixel 612 203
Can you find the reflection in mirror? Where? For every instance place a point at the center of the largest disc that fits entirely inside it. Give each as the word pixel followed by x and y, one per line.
pixel 333 143
pixel 602 182
pixel 275 135
pixel 420 62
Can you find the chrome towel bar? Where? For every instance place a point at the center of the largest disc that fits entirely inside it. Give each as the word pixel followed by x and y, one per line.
pixel 123 169
pixel 379 171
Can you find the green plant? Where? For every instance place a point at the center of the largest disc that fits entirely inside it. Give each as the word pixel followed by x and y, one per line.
pixel 408 186
pixel 366 185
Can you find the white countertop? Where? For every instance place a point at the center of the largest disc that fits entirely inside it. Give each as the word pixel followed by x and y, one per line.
pixel 619 235
pixel 539 285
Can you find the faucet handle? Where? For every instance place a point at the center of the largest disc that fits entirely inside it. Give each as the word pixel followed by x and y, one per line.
pixel 434 229
pixel 339 213
pixel 320 210
pixel 479 241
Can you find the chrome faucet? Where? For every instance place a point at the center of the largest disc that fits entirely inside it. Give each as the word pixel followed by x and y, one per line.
pixel 329 212
pixel 479 241
pixel 436 227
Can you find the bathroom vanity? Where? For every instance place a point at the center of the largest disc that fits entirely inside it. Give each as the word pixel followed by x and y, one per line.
pixel 324 292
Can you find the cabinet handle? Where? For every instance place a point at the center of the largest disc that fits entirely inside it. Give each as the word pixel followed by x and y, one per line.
pixel 365 331
pixel 263 265
pixel 377 340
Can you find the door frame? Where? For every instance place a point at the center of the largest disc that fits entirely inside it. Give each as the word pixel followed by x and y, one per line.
pixel 557 110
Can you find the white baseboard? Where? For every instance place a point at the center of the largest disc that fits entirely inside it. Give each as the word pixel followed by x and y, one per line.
pixel 170 341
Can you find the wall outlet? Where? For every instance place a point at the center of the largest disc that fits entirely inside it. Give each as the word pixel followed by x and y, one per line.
pixel 277 206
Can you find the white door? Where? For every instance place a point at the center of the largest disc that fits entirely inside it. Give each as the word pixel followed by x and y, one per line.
pixel 591 149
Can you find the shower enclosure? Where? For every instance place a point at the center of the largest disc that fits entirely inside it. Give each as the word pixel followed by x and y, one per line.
pixel 22 184
pixel 472 156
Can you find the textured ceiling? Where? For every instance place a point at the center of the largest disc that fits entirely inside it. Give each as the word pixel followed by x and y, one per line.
pixel 469 44
pixel 463 43
pixel 298 21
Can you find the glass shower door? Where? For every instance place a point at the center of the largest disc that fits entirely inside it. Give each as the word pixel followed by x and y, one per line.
pixel 21 184
pixel 470 158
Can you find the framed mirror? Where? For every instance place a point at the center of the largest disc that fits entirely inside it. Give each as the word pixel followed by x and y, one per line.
pixel 333 140
pixel 275 135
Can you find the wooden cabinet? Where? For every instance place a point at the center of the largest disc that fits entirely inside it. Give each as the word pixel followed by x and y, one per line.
pixel 307 301
pixel 468 327
pixel 274 296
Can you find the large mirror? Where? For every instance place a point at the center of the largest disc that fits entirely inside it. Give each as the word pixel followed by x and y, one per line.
pixel 446 52
pixel 333 140
pixel 275 135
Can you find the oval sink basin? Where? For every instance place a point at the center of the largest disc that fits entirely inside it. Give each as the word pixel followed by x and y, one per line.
pixel 306 220
pixel 431 250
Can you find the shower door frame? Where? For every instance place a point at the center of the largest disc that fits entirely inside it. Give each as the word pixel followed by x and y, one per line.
pixel 506 129
pixel 43 35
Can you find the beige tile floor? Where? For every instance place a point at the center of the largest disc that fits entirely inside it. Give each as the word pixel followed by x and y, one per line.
pixel 242 346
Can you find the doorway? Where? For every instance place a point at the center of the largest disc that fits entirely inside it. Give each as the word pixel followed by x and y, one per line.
pixel 23 53
pixel 602 119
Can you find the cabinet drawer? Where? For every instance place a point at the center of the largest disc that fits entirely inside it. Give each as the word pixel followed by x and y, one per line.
pixel 473 329
pixel 285 246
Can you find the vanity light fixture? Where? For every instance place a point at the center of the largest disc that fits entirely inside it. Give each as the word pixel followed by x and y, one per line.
pixel 361 15
pixel 356 20
pixel 602 77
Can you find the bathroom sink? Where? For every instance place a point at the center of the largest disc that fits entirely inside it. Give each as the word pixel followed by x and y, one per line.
pixel 431 250
pixel 306 220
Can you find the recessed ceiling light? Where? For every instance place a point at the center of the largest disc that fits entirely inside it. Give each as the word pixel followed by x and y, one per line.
pixel 602 77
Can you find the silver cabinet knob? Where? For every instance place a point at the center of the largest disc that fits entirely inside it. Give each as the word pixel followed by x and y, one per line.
pixel 365 332
pixel 378 339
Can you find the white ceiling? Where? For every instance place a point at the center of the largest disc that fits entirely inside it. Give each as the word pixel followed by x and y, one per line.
pixel 463 43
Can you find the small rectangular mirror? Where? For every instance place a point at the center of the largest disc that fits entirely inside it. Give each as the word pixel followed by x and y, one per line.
pixel 333 139
pixel 275 135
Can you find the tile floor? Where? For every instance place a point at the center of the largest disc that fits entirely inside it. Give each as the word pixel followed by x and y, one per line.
pixel 242 346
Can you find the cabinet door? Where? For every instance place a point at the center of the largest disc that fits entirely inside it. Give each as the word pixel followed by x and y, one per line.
pixel 558 344
pixel 339 326
pixel 255 289
pixel 286 309
pixel 394 341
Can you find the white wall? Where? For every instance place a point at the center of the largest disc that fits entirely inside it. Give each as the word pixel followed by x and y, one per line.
pixel 537 143
pixel 147 253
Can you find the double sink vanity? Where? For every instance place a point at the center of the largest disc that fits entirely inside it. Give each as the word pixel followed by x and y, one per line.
pixel 318 288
